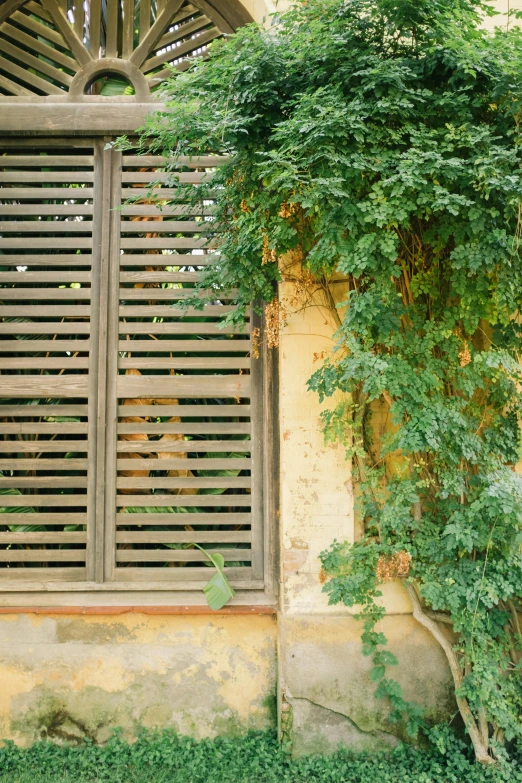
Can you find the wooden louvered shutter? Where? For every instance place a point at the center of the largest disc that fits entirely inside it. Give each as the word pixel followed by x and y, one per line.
pixel 186 400
pixel 130 428
pixel 50 235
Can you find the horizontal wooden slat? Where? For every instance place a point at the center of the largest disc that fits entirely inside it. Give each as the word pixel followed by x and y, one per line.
pixel 43 311
pixel 36 446
pixel 175 446
pixel 45 193
pixel 42 556
pixel 220 518
pixel 151 386
pixel 48 538
pixel 177 555
pixel 44 464
pixel 175 346
pixel 157 161
pixel 48 259
pixel 48 428
pixel 40 243
pixel 185 177
pixel 199 259
pixel 54 346
pixel 169 428
pixel 168 311
pixel 53 482
pixel 160 277
pixel 44 277
pixel 43 519
pixel 182 537
pixel 176 327
pixel 33 161
pixel 43 500
pixel 232 463
pixel 165 243
pixel 182 363
pixel 42 410
pixel 46 226
pixel 169 294
pixel 56 363
pixel 156 192
pixel 156 501
pixel 163 227
pixel 181 410
pixel 33 386
pixel 44 293
pixel 146 210
pixel 186 577
pixel 33 327
pixel 38 579
pixel 59 210
pixel 202 482
pixel 47 177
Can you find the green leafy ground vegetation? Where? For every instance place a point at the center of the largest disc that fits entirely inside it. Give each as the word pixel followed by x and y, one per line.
pixel 376 144
pixel 253 758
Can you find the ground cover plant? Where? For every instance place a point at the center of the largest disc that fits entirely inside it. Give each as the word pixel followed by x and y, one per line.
pixel 256 757
pixel 376 144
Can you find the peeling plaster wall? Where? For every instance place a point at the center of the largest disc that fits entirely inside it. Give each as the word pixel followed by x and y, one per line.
pixel 326 692
pixel 67 677
pixel 316 487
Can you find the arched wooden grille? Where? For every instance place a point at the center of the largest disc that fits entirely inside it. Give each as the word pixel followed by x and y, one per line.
pixel 58 47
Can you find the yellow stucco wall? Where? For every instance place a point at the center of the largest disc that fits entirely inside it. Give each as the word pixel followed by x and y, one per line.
pixel 70 676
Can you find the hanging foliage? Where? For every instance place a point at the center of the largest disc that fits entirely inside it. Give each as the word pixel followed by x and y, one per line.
pixel 379 142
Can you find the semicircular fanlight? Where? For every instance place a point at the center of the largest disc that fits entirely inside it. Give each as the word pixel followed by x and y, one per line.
pixel 45 43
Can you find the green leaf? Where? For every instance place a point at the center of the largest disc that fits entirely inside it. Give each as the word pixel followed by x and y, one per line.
pixel 218 590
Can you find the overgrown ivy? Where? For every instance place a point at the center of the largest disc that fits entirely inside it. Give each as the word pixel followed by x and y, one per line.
pixel 255 757
pixel 377 143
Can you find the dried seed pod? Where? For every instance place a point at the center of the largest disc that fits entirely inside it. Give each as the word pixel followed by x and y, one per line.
pixel 396 565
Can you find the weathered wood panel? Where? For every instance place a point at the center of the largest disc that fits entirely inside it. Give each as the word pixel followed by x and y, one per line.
pixel 46 334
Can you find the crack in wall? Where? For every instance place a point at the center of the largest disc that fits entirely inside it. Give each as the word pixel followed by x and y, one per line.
pixel 377 734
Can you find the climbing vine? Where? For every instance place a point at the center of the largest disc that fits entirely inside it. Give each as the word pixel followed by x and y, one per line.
pixel 376 143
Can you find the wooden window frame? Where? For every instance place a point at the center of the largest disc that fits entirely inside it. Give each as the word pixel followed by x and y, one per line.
pixel 100 593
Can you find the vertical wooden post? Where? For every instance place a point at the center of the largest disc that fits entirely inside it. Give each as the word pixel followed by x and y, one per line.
pixel 79 18
pixel 110 400
pixel 128 29
pixel 97 348
pixel 144 18
pixel 257 418
pixel 101 216
pixel 112 28
pixel 95 28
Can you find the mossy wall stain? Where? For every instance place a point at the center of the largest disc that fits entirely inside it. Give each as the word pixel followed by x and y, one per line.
pixel 70 677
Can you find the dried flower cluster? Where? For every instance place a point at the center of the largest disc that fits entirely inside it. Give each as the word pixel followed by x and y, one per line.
pixel 397 565
pixel 276 315
pixel 464 355
pixel 244 206
pixel 256 339
pixel 269 255
pixel 287 210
